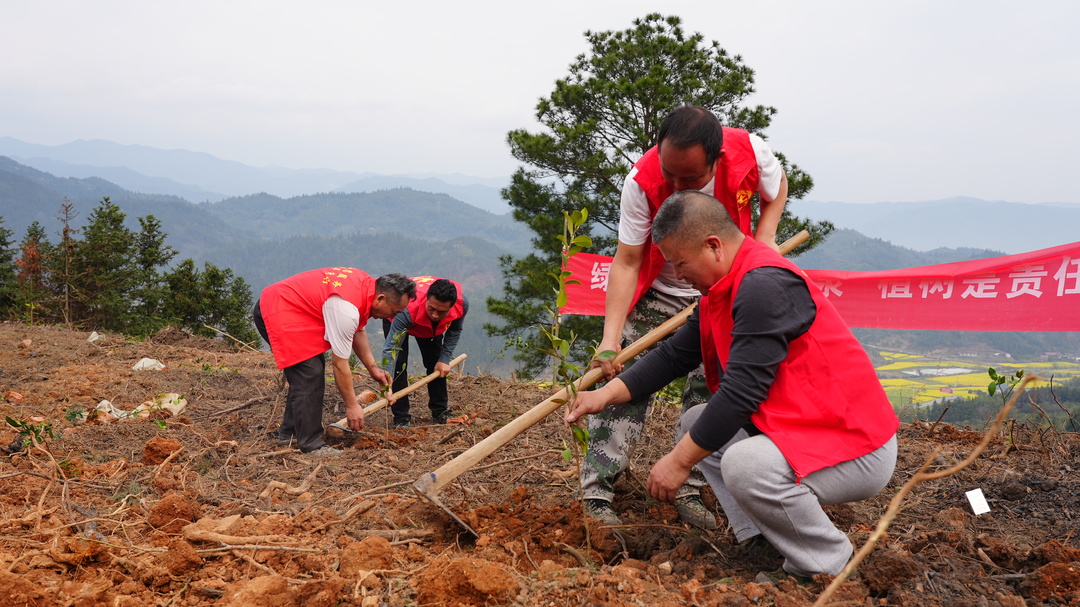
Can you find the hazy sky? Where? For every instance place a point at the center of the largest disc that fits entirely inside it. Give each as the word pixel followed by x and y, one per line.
pixel 913 100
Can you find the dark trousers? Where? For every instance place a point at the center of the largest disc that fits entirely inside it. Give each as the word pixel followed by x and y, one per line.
pixel 430 349
pixel 304 401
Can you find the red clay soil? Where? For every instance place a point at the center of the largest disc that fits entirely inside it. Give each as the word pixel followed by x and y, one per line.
pixel 205 509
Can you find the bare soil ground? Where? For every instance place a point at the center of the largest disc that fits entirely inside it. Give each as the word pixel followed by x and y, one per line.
pixel 207 510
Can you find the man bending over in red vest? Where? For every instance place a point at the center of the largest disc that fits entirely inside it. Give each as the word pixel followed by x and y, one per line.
pixel 694 152
pixel 797 417
pixel 305 315
pixel 434 319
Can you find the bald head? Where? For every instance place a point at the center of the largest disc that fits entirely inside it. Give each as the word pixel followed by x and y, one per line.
pixel 691 216
pixel 696 235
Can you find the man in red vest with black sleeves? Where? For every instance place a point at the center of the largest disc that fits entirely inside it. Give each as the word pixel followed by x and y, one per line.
pixel 434 319
pixel 797 416
pixel 309 313
pixel 694 152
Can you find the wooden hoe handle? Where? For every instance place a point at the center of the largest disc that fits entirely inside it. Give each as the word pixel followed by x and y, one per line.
pixel 382 402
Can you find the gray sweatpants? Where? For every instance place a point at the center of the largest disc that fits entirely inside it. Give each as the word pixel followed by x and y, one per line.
pixel 615 431
pixel 757 490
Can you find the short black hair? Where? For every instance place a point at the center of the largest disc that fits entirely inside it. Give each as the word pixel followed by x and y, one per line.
pixel 443 290
pixel 690 216
pixel 692 125
pixel 397 285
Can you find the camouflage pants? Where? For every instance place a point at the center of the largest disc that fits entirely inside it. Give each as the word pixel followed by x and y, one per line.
pixel 614 432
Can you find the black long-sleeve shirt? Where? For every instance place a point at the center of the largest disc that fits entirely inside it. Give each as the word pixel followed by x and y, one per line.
pixel 773 307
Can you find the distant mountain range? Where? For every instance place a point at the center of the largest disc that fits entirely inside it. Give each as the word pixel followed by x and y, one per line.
pixel 852 251
pixel 199 177
pixel 955 223
pixel 27 195
pixel 478 195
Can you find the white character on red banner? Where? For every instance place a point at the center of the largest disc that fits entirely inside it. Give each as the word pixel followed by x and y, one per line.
pixel 980 287
pixel 1063 274
pixel 599 276
pixel 1027 281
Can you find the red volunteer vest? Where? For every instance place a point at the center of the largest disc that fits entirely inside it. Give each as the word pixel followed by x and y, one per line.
pixel 292 310
pixel 421 322
pixel 735 183
pixel 826 405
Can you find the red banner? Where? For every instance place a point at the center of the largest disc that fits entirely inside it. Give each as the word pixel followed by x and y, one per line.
pixel 1037 291
pixel 587 298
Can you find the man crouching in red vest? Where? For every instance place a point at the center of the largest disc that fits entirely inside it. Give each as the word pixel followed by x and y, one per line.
pixel 305 315
pixel 435 320
pixel 797 417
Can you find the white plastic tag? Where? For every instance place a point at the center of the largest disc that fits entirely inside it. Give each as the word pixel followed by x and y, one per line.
pixel 978 501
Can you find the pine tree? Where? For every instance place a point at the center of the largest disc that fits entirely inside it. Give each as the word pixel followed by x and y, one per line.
pixel 209 302
pixel 61 267
pixel 152 255
pixel 214 291
pixel 105 270
pixel 228 304
pixel 237 316
pixel 34 300
pixel 9 284
pixel 183 302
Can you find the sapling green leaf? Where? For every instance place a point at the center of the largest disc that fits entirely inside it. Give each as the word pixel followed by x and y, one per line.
pixel 581 435
pixel 563 371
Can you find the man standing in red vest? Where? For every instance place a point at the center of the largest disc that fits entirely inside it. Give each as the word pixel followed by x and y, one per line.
pixel 305 315
pixel 797 417
pixel 694 153
pixel 434 319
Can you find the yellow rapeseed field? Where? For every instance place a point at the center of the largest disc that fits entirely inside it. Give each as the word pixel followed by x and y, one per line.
pixel 929 379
